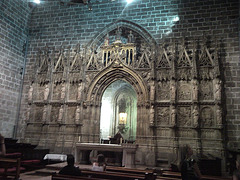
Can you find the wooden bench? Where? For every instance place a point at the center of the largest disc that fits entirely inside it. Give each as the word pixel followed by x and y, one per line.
pixel 87 174
pixel 113 175
pixel 67 177
pixel 10 168
pixel 149 174
pixel 177 175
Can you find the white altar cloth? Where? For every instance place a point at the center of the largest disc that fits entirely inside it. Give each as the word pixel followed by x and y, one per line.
pixel 56 157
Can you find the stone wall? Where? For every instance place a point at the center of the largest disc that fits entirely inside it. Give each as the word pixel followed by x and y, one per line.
pixel 14 16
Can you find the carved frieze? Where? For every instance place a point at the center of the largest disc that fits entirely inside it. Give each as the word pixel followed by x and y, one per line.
pixel 54 114
pixel 38 114
pixel 207 116
pixel 184 116
pixel 163 116
pixel 73 91
pixel 56 92
pixel 42 91
pixel 184 91
pixel 206 90
pixel 163 92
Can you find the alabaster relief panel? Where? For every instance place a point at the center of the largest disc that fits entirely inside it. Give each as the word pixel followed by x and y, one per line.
pixel 40 91
pixel 39 113
pixel 56 92
pixel 184 116
pixel 210 134
pixel 187 133
pixel 184 91
pixel 54 113
pixel 73 91
pixel 207 116
pixel 163 115
pixel 71 113
pixel 163 92
pixel 206 90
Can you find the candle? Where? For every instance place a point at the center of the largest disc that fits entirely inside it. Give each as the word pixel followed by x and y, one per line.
pixel 79 138
pixel 121 140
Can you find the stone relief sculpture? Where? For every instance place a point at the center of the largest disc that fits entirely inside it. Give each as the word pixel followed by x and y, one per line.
pixel 106 40
pixel 206 90
pixel 194 90
pixel 46 92
pixel 219 115
pixel 184 92
pixel 163 115
pixel 152 91
pixel 173 116
pixel 207 116
pixel 60 115
pixel 77 115
pixel 80 90
pixel 195 115
pixel 184 116
pixel 163 90
pixel 218 89
pixel 44 115
pixel 152 114
pixel 173 90
pixel 131 38
pixel 28 112
pixel 63 91
pixel 30 93
pixel 180 99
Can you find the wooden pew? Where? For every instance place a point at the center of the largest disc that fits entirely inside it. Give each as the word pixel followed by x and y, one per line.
pixel 67 177
pixel 177 175
pixel 113 175
pixel 87 174
pixel 9 168
pixel 149 174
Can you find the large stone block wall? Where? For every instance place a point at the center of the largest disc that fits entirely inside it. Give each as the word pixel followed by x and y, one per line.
pixel 14 16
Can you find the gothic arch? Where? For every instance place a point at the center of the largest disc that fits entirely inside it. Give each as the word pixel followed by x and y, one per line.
pixel 116 71
pixel 122 23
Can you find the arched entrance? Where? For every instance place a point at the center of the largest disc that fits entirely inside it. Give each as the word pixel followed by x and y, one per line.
pixel 119 111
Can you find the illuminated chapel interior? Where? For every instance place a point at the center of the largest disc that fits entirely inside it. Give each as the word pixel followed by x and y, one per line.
pixel 136 87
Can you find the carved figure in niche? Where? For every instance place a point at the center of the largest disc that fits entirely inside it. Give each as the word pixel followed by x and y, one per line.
pixel 195 90
pixel 184 92
pixel 163 90
pixel 207 116
pixel 131 38
pixel 173 116
pixel 173 90
pixel 46 92
pixel 80 89
pixel 184 116
pixel 77 115
pixel 63 91
pixel 219 115
pixel 118 34
pixel 27 118
pixel 163 115
pixel 106 40
pixel 60 115
pixel 152 112
pixel 206 92
pixel 44 117
pixel 152 91
pixel 30 93
pixel 195 116
pixel 218 88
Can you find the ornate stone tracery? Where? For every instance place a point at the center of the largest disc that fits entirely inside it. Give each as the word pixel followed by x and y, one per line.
pixel 178 87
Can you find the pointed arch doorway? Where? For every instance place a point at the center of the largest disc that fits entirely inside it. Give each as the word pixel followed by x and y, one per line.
pixel 119 111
